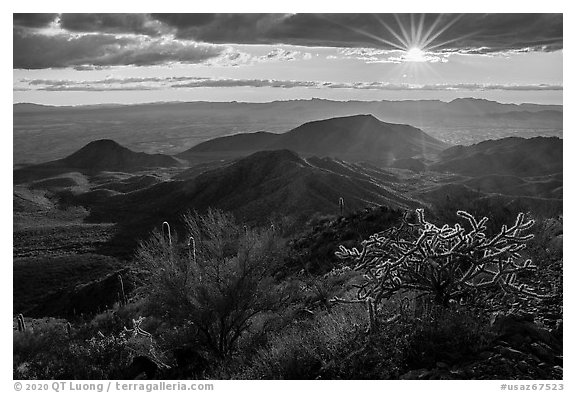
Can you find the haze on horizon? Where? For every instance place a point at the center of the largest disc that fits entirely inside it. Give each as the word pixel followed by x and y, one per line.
pixel 75 59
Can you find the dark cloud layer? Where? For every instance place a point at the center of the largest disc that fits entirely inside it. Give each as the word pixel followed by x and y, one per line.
pixel 141 41
pixel 36 51
pixel 33 20
pixel 110 23
pixel 470 32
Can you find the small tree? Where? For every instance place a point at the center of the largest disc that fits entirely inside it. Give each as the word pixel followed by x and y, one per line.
pixel 447 262
pixel 218 281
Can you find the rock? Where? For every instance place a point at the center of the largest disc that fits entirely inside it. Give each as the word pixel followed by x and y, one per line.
pixel 540 371
pixel 557 332
pixel 191 359
pixel 559 360
pixel 543 352
pixel 510 353
pixel 421 373
pixel 442 365
pixel 523 366
pixel 518 340
pixel 141 366
pixel 558 371
pixel 518 331
pixel 535 359
pixel 485 355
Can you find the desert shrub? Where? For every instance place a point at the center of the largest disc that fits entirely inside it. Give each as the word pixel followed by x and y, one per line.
pixel 217 282
pixel 335 344
pixel 397 345
pixel 318 291
pixel 307 347
pixel 546 247
pixel 313 251
pixel 447 262
pixel 49 352
pixel 115 320
pixel 448 335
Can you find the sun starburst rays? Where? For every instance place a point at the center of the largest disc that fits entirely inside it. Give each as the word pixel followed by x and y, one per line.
pixel 413 39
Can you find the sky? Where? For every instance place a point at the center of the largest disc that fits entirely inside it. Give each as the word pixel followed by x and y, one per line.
pixel 72 59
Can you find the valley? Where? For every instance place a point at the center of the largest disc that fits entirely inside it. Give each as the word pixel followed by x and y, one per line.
pixel 81 221
pixel 104 198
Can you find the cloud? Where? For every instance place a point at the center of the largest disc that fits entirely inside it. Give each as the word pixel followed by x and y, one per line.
pixel 185 82
pixel 370 55
pixel 281 54
pixel 100 40
pixel 84 52
pixel 33 20
pixel 484 33
pixel 35 51
pixel 284 84
pixel 111 23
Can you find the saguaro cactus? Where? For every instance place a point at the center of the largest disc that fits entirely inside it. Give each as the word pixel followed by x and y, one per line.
pixel 122 295
pixel 21 323
pixel 192 249
pixel 166 231
pixel 341 205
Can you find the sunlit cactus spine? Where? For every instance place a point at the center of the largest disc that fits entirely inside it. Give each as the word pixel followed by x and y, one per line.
pixel 21 323
pixel 341 205
pixel 166 232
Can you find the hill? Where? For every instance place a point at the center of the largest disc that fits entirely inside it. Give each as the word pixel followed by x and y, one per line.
pixel 258 188
pixel 107 155
pixel 509 156
pixel 351 138
pixel 96 156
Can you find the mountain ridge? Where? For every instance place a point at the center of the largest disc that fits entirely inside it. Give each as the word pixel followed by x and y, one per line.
pixel 266 184
pixel 353 138
pixel 507 156
pixel 520 106
pixel 96 156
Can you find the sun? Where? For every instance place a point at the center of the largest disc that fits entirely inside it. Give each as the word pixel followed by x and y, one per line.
pixel 415 54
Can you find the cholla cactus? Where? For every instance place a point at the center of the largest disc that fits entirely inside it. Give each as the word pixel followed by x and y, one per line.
pixel 447 262
pixel 137 330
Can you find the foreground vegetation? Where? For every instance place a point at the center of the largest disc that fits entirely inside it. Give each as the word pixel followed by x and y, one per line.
pixel 415 300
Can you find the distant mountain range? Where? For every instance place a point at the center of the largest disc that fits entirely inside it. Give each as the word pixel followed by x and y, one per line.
pixel 352 138
pixel 463 106
pixel 174 127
